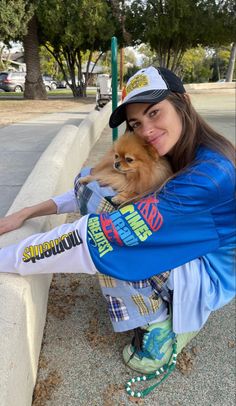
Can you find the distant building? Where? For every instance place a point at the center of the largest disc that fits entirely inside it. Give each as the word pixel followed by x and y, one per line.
pixel 94 71
pixel 15 61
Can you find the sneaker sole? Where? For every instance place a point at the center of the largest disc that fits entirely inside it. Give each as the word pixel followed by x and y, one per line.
pixel 147 365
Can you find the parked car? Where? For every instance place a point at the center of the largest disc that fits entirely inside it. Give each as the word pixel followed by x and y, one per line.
pixel 50 83
pixel 12 81
pixel 63 85
pixel 15 82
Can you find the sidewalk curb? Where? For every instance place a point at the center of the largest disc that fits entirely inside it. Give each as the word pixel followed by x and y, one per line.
pixel 23 300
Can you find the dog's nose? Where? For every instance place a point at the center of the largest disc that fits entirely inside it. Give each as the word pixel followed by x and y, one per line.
pixel 117 165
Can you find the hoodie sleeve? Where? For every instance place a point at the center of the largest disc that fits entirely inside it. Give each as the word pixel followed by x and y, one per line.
pixel 61 250
pixel 66 202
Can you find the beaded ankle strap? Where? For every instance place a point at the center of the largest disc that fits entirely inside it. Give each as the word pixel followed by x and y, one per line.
pixel 165 370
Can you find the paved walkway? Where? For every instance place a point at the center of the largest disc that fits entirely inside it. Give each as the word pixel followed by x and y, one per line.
pixel 22 144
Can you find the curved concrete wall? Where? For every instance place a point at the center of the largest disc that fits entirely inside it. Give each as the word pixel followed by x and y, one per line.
pixel 23 300
pixel 210 86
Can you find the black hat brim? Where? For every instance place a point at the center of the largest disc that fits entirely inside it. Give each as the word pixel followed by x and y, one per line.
pixel 118 116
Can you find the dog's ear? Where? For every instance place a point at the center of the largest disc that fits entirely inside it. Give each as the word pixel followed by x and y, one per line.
pixel 152 152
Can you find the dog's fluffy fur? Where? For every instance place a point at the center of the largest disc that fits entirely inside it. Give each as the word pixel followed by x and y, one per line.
pixel 132 168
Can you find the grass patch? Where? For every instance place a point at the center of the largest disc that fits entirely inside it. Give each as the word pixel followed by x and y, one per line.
pixel 57 92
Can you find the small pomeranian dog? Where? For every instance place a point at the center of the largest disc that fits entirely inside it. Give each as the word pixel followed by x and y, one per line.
pixel 132 167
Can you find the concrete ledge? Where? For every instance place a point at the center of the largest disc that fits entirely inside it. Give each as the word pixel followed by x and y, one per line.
pixel 209 86
pixel 23 300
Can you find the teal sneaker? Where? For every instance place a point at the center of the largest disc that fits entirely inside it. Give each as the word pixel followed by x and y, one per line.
pixel 151 348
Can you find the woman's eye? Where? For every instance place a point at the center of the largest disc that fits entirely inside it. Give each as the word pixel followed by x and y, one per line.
pixel 135 125
pixel 153 113
pixel 129 160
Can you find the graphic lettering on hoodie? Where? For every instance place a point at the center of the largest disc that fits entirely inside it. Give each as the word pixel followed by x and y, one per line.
pixel 57 246
pixel 128 226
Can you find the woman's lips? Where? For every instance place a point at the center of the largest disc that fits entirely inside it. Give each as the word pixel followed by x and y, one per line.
pixel 156 139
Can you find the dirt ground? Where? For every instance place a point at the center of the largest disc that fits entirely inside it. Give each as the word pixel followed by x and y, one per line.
pixel 13 111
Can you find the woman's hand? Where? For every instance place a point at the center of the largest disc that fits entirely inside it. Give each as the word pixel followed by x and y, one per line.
pixel 11 222
pixel 17 219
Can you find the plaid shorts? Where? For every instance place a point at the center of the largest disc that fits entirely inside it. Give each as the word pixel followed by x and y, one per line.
pixel 134 304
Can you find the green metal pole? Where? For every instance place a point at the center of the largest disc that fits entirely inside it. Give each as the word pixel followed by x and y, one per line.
pixel 114 81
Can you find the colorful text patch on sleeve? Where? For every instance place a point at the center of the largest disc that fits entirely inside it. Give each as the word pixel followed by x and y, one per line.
pixel 127 226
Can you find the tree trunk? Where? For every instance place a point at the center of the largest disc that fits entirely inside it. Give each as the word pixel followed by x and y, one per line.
pixel 230 70
pixel 34 86
pixel 80 89
pixel 121 67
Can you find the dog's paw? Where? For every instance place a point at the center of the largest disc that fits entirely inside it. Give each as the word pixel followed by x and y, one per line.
pixel 85 179
pixel 117 200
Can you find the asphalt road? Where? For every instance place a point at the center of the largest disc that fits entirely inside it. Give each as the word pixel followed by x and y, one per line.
pixel 218 109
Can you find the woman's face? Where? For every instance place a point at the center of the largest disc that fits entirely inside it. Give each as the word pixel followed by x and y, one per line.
pixel 158 123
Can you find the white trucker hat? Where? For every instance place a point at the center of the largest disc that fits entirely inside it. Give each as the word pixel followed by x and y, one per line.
pixel 149 85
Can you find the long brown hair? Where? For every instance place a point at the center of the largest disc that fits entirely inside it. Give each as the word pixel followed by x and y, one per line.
pixel 195 132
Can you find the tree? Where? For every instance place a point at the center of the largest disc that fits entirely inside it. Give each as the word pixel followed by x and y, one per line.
pixel 196 66
pixel 148 57
pixel 171 27
pixel 131 70
pixel 18 22
pixel 118 8
pixel 34 86
pixel 69 29
pixel 230 70
pixel 220 62
pixel 4 59
pixel 119 12
pixel 49 65
pixel 14 18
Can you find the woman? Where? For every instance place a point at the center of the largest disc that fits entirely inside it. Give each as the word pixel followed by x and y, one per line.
pixel 166 261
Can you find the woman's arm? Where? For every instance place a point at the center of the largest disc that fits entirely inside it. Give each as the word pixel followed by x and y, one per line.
pixel 192 216
pixel 65 203
pixel 63 249
pixel 17 219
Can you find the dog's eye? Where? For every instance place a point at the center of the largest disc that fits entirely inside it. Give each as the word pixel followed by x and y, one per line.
pixel 116 156
pixel 129 160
